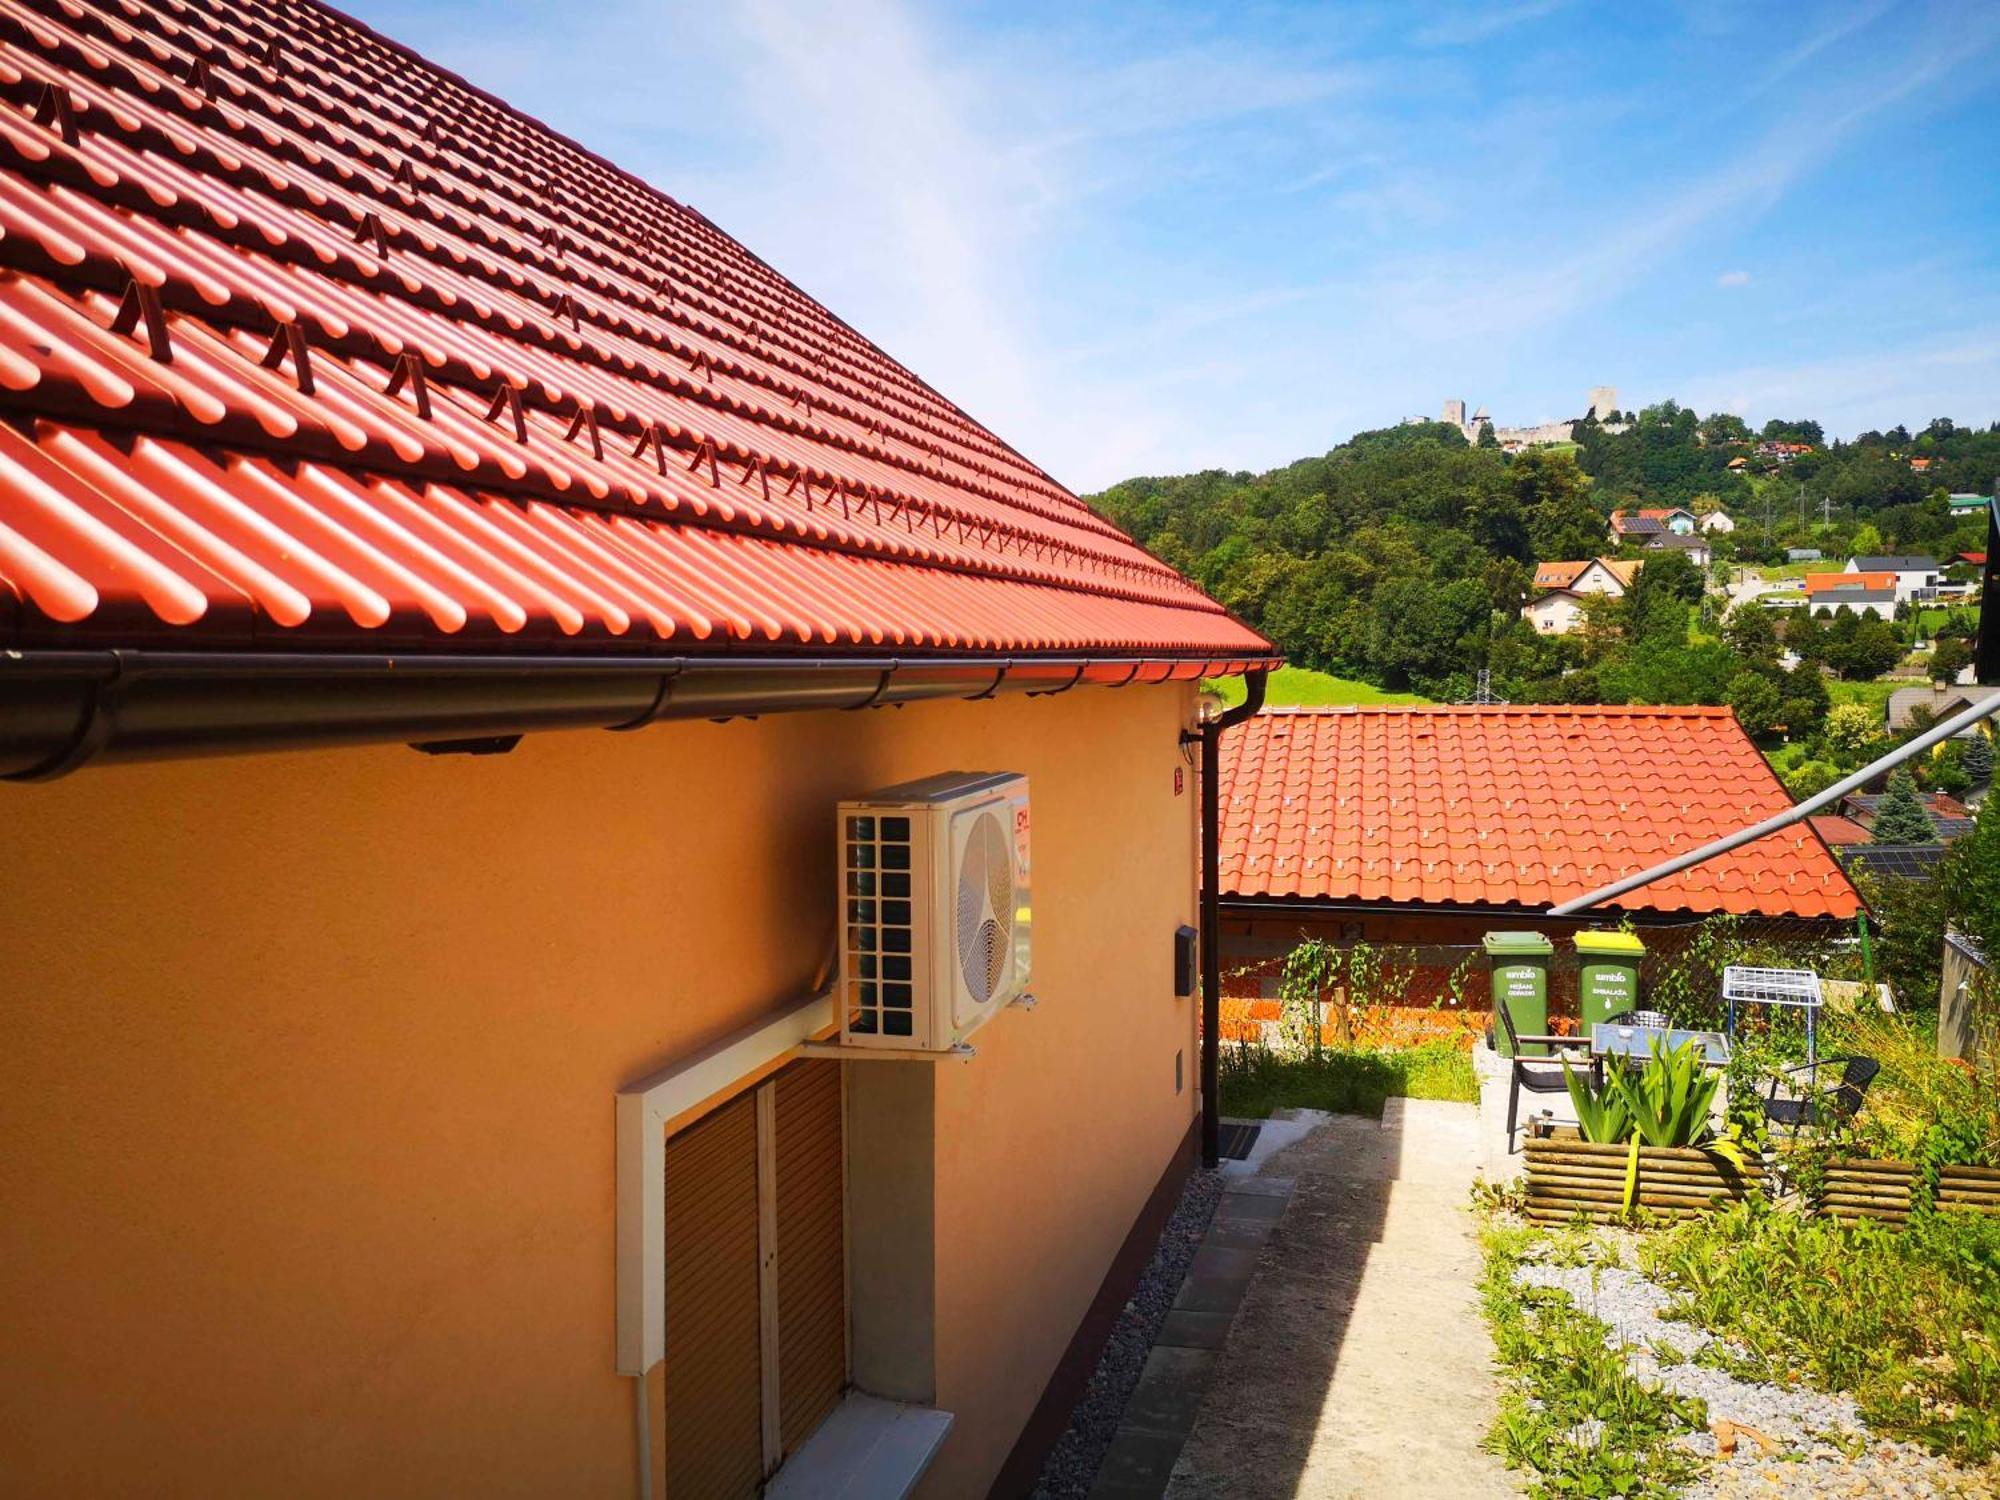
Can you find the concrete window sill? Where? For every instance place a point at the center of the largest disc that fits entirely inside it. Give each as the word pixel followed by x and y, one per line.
pixel 868 1448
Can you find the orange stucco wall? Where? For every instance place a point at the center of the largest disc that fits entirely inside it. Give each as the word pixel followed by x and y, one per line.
pixel 306 1096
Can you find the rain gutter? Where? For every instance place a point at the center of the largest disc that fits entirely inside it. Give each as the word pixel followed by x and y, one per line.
pixel 62 709
pixel 1211 920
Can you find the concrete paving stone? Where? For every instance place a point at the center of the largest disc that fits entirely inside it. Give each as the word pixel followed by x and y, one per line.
pixel 1243 1206
pixel 1170 1391
pixel 1136 1465
pixel 1239 1234
pixel 1195 1330
pixel 1257 1187
pixel 1358 1366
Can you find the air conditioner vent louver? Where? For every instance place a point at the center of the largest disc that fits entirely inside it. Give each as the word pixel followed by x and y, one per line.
pixel 934 895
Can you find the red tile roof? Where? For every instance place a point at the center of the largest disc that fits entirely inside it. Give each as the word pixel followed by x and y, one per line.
pixel 306 342
pixel 1499 807
pixel 1838 830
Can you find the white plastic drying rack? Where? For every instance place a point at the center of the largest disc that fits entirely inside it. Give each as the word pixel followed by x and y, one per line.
pixel 1798 989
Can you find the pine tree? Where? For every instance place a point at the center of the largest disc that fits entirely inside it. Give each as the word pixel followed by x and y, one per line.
pixel 1899 817
pixel 1979 759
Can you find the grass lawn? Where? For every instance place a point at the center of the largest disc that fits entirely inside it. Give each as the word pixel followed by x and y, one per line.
pixel 1298 687
pixel 1353 1081
pixel 1875 695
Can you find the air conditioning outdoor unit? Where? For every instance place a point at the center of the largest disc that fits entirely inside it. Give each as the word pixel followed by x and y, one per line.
pixel 934 907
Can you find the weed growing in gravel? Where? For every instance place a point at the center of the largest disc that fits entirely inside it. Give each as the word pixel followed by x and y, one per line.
pixel 1906 1321
pixel 1571 1413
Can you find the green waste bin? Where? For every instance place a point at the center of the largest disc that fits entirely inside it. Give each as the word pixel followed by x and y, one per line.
pixel 1609 979
pixel 1521 983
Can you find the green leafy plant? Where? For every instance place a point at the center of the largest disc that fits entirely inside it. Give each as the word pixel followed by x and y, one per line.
pixel 1602 1115
pixel 1907 1321
pixel 1572 1414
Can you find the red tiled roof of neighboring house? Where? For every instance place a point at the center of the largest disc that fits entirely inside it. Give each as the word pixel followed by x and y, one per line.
pixel 305 342
pixel 1870 583
pixel 1559 575
pixel 1838 830
pixel 1511 807
pixel 1977 559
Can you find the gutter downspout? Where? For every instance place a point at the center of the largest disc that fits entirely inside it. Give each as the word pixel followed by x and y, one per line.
pixel 1211 903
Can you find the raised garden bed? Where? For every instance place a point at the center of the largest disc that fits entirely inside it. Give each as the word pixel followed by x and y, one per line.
pixel 1855 1189
pixel 1568 1176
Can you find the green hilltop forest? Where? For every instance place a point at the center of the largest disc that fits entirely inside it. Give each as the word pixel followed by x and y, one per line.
pixel 1403 556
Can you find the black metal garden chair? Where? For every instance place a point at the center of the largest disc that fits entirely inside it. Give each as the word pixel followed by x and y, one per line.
pixel 1538 1075
pixel 1816 1103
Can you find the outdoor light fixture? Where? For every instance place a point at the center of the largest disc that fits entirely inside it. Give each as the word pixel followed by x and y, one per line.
pixel 1212 706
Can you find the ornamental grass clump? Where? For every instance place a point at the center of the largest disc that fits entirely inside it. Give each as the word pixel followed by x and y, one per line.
pixel 1667 1102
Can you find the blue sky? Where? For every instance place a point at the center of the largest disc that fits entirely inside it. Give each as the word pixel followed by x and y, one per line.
pixel 1155 238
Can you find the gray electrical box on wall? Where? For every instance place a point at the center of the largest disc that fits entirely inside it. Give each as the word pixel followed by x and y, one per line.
pixel 1184 940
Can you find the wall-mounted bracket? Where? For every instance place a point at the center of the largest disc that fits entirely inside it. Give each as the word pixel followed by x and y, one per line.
pixel 957 1052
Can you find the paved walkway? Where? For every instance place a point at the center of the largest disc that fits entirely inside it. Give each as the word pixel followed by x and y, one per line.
pixel 1357 1364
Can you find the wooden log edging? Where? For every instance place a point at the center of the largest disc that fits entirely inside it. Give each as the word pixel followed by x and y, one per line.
pixel 1568 1178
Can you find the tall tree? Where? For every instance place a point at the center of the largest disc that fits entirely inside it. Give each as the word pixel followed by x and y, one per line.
pixel 1900 817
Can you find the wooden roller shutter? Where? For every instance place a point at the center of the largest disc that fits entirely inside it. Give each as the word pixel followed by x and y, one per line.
pixel 714 1363
pixel 812 1270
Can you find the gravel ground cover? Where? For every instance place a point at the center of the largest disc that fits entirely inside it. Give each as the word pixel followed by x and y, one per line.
pixel 1072 1465
pixel 1787 1441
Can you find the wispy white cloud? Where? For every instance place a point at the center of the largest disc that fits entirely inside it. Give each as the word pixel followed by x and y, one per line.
pixel 1733 279
pixel 1910 383
pixel 1467 25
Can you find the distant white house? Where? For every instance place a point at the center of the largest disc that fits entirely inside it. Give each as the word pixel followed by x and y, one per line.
pixel 1561 610
pixel 1592 575
pixel 1715 523
pixel 1696 547
pixel 1641 525
pixel 1558 612
pixel 1864 593
pixel 1914 575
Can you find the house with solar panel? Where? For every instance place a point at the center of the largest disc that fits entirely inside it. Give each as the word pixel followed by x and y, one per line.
pixel 1421 829
pixel 1641 526
pixel 583 846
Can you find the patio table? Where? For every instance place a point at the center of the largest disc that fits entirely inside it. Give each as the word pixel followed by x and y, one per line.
pixel 1616 1039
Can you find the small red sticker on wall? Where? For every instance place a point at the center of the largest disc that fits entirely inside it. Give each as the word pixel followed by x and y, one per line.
pixel 1178 775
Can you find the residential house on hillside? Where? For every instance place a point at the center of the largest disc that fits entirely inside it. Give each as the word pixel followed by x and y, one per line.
pixel 1562 608
pixel 1915 576
pixel 450 1099
pixel 1637 525
pixel 1949 816
pixel 1696 547
pixel 1864 593
pixel 1717 523
pixel 1964 505
pixel 1941 702
pixel 1426 827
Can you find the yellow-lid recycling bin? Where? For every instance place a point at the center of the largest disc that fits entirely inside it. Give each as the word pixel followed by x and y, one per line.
pixel 1608 983
pixel 1521 983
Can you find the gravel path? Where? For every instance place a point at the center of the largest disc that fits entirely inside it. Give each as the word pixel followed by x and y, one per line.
pixel 1072 1465
pixel 1812 1433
